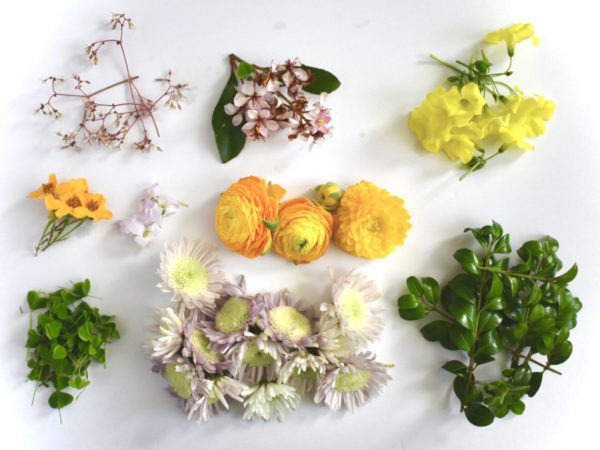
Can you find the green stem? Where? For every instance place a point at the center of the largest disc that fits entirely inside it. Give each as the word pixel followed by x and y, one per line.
pixel 450 66
pixel 41 241
pixel 545 366
pixel 518 275
pixel 506 86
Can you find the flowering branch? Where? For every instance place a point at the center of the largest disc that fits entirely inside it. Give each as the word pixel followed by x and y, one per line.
pixel 265 99
pixel 110 123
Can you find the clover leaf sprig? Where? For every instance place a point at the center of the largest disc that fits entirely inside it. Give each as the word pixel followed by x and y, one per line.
pixel 525 311
pixel 68 336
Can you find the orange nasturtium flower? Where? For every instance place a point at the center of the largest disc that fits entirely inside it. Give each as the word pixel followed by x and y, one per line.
pixel 370 222
pixel 246 215
pixel 304 231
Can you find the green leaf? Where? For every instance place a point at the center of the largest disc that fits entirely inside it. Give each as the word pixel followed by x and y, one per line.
pixel 436 330
pixel 67 296
pixel 415 313
pixel 58 351
pixel 503 245
pixel 244 69
pixel 495 304
pixel 431 289
pixel 561 353
pixel 321 81
pixel 489 343
pixel 522 375
pixel 229 138
pixel 60 399
pixel 78 383
pixel 85 331
pixel 468 260
pixel 272 225
pixel 33 339
pixel 518 407
pixel 455 367
pixel 488 321
pixel 537 313
pixel 535 296
pixel 496 288
pixel 408 301
pixel 35 301
pixel 535 383
pixel 463 286
pixel 568 276
pixel 53 329
pixel 414 286
pixel 61 311
pixel 464 312
pixel 460 386
pixel 461 337
pixel 479 414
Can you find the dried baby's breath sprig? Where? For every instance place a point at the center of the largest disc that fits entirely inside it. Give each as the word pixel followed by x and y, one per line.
pixel 108 122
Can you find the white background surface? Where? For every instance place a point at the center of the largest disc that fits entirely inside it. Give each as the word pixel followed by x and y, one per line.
pixel 379 51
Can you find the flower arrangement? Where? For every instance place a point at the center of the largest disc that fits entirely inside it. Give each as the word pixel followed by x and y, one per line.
pixel 219 343
pixel 461 122
pixel 67 337
pixel 70 205
pixel 259 100
pixel 110 122
pixel 146 223
pixel 365 221
pixel 494 313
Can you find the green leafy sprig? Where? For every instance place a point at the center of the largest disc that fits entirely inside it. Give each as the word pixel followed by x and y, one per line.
pixel 68 336
pixel 287 103
pixel 523 311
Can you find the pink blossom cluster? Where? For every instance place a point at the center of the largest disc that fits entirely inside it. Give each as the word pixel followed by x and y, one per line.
pixel 272 98
pixel 147 221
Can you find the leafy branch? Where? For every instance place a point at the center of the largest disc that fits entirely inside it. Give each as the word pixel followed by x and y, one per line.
pixel 523 311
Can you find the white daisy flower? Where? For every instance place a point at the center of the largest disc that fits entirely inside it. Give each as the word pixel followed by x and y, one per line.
pixel 167 335
pixel 256 359
pixel 355 300
pixel 287 320
pixel 190 269
pixel 353 382
pixel 212 398
pixel 332 341
pixel 269 400
pixel 183 379
pixel 231 318
pixel 303 371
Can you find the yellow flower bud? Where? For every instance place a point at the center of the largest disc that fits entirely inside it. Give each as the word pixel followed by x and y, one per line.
pixel 329 196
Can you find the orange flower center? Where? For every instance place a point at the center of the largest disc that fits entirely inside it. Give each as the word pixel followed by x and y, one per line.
pixel 92 205
pixel 48 188
pixel 73 202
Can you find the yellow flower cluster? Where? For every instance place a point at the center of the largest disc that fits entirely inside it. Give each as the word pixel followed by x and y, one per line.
pixel 444 121
pixel 368 222
pixel 72 198
pixel 459 120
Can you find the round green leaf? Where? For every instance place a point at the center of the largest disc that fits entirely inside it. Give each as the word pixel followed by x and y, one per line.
pixel 432 291
pixel 479 415
pixel 461 337
pixel 561 353
pixel 455 367
pixel 414 286
pixel 489 343
pixel 488 321
pixel 468 260
pixel 59 399
pixel 464 312
pixel 436 330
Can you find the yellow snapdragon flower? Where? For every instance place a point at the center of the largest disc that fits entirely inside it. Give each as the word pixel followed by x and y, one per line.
pixel 444 121
pixel 512 36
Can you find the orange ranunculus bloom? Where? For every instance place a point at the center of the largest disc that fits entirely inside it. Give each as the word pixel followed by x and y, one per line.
pixel 304 231
pixel 246 214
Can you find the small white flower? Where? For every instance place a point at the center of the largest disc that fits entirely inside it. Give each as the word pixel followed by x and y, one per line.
pixel 191 270
pixel 353 382
pixel 269 401
pixel 256 358
pixel 212 398
pixel 303 371
pixel 167 334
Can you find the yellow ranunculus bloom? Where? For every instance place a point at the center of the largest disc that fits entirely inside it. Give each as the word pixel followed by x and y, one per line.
pixel 246 214
pixel 513 35
pixel 304 231
pixel 444 121
pixel 370 222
